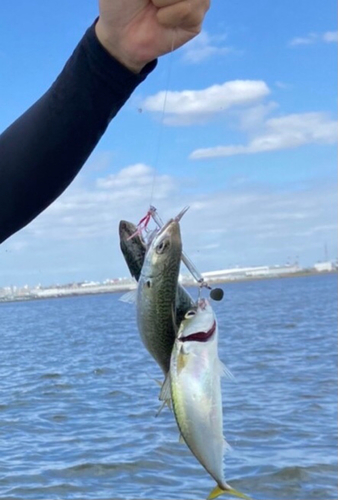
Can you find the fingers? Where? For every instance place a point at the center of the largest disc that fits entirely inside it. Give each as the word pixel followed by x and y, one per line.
pixel 164 3
pixel 181 13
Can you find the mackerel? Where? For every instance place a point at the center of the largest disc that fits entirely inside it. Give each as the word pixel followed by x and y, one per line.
pixel 134 249
pixel 156 293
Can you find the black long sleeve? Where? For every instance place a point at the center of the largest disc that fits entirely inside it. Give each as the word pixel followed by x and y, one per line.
pixel 44 149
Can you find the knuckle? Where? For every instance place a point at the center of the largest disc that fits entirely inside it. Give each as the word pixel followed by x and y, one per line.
pixel 187 9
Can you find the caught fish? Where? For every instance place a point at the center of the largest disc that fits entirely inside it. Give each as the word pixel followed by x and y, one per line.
pixel 134 248
pixel 195 382
pixel 157 290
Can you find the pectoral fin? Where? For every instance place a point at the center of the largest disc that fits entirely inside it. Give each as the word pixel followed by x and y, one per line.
pixel 226 446
pixel 160 408
pixel 224 371
pixel 165 393
pixel 129 297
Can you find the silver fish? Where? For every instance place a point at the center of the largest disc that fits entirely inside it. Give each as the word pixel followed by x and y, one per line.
pixel 156 293
pixel 195 382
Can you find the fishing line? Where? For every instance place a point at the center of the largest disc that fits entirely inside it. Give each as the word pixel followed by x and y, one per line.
pixel 161 126
pixel 215 293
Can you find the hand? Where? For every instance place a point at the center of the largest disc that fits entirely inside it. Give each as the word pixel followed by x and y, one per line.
pixel 136 32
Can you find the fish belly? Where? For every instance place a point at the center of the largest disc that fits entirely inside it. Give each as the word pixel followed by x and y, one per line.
pixel 155 322
pixel 197 403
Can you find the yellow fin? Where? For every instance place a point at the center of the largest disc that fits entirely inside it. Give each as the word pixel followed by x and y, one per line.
pixel 217 491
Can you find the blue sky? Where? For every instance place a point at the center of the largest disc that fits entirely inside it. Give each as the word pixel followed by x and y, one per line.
pixel 248 141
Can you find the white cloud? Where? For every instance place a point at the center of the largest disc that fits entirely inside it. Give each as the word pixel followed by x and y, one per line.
pixel 312 38
pixel 330 37
pixel 17 245
pixel 305 40
pixel 261 221
pixel 286 132
pixel 193 106
pixel 203 47
pixel 253 117
pixel 134 175
pixel 89 211
pixel 283 85
pixel 77 237
pixel 99 161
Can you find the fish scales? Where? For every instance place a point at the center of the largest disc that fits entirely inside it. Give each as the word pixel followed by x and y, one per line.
pixel 156 293
pixel 134 249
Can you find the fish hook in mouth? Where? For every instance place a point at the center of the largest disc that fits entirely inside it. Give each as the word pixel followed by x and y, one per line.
pixel 200 336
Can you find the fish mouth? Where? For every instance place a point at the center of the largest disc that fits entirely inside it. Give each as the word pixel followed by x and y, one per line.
pixel 175 219
pixel 200 336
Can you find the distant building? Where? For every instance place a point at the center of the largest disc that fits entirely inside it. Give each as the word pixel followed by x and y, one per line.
pixel 237 273
pixel 256 271
pixel 273 270
pixel 324 266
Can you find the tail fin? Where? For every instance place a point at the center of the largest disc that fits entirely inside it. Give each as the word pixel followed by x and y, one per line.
pixel 217 491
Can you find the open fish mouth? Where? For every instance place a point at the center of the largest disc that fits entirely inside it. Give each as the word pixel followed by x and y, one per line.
pixel 200 336
pixel 170 221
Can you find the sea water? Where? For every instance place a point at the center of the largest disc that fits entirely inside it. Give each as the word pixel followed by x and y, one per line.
pixel 78 398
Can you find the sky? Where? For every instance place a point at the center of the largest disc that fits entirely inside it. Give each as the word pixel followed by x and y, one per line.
pixel 240 125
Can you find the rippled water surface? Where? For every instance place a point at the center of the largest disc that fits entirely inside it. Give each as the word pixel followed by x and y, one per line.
pixel 78 399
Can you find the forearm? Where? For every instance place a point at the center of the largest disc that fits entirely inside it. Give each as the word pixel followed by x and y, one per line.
pixel 42 152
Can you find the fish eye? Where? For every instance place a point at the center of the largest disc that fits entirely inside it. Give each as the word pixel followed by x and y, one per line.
pixel 190 314
pixel 162 246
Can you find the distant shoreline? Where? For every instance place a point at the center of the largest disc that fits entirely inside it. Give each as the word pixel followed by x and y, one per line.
pixel 104 289
pixel 280 276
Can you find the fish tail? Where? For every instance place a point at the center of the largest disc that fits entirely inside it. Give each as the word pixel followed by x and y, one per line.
pixel 217 491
